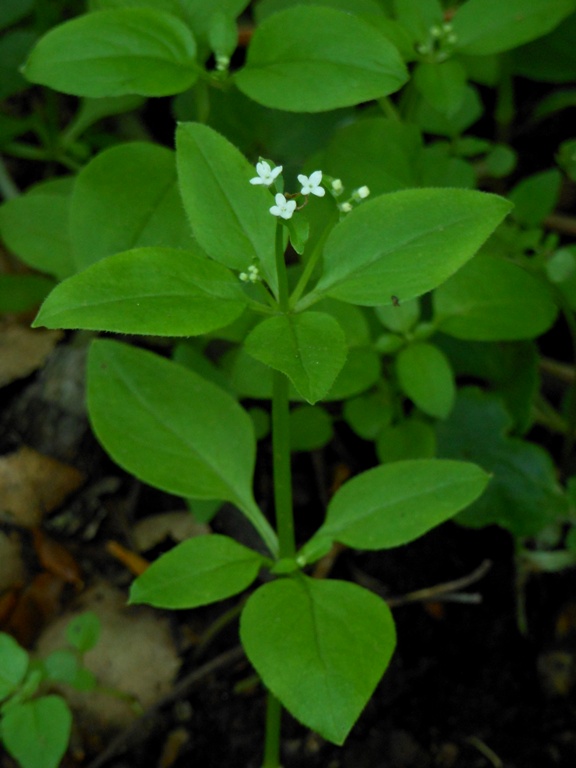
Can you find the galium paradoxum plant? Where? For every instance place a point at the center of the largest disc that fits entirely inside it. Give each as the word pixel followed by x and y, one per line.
pixel 319 646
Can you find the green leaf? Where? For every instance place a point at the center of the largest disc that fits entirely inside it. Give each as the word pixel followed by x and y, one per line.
pixel 311 59
pixel 310 348
pixel 320 646
pixel 35 228
pixel 490 299
pixel 12 11
pixel 62 666
pixel 111 53
pixel 442 84
pixel 172 429
pixel 128 195
pixel 13 665
pixel 367 414
pixel 426 377
pixel 379 153
pixel 151 291
pixel 417 16
pixel 483 27
pixel 197 572
pixel 14 47
pixel 410 439
pixel 230 218
pixel 310 428
pixel 19 293
pixel 405 243
pixel 523 496
pixel 396 503
pixel 36 733
pixel 83 631
pixel 551 58
pixel 535 197
pixel 399 317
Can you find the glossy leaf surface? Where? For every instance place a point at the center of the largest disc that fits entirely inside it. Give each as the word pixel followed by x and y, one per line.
pixel 197 572
pixel 150 291
pixel 171 428
pixel 311 59
pixel 405 243
pixel 310 348
pixel 320 646
pixel 230 218
pixel 111 53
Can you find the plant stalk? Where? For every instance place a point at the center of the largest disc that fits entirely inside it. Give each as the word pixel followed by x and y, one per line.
pixel 282 473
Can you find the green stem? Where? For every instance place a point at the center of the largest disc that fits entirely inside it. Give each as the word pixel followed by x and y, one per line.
pixel 311 263
pixel 281 426
pixel 272 746
pixel 282 472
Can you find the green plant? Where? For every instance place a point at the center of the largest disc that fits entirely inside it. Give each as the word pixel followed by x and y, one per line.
pixel 35 726
pixel 319 304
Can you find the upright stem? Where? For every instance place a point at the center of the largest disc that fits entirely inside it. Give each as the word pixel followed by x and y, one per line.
pixel 282 472
pixel 272 745
pixel 281 427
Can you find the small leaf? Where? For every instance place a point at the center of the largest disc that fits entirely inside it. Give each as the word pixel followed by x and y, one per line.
pixel 310 428
pixel 230 218
pixel 425 376
pixel 155 291
pixel 197 572
pixel 13 665
pixel 36 733
pixel 489 26
pixel 311 59
pixel 128 195
pixel 396 503
pixel 83 631
pixel 442 84
pixel 310 348
pixel 172 429
pixel 111 53
pixel 405 243
pixel 320 646
pixel 523 496
pixel 35 227
pixel 535 197
pixel 491 299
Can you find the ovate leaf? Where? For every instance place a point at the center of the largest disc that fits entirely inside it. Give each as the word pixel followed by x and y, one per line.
pixel 36 733
pixel 152 291
pixel 197 572
pixel 13 665
pixel 320 646
pixel 425 376
pixel 126 197
pixel 405 243
pixel 311 59
pixel 396 503
pixel 230 218
pixel 172 429
pixel 490 299
pixel 489 26
pixel 111 53
pixel 310 348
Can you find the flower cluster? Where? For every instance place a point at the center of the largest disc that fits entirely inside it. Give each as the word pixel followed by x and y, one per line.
pixel 252 275
pixel 285 205
pixel 440 43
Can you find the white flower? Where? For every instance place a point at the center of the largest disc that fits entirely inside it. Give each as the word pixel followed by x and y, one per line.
pixel 361 193
pixel 345 207
pixel 311 184
pixel 266 174
pixel 252 275
pixel 337 186
pixel 284 208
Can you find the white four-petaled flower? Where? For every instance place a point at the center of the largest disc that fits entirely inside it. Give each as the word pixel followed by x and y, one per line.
pixel 266 174
pixel 311 184
pixel 284 208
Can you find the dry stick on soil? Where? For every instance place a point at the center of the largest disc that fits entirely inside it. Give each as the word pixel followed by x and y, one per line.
pixel 133 733
pixel 448 591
